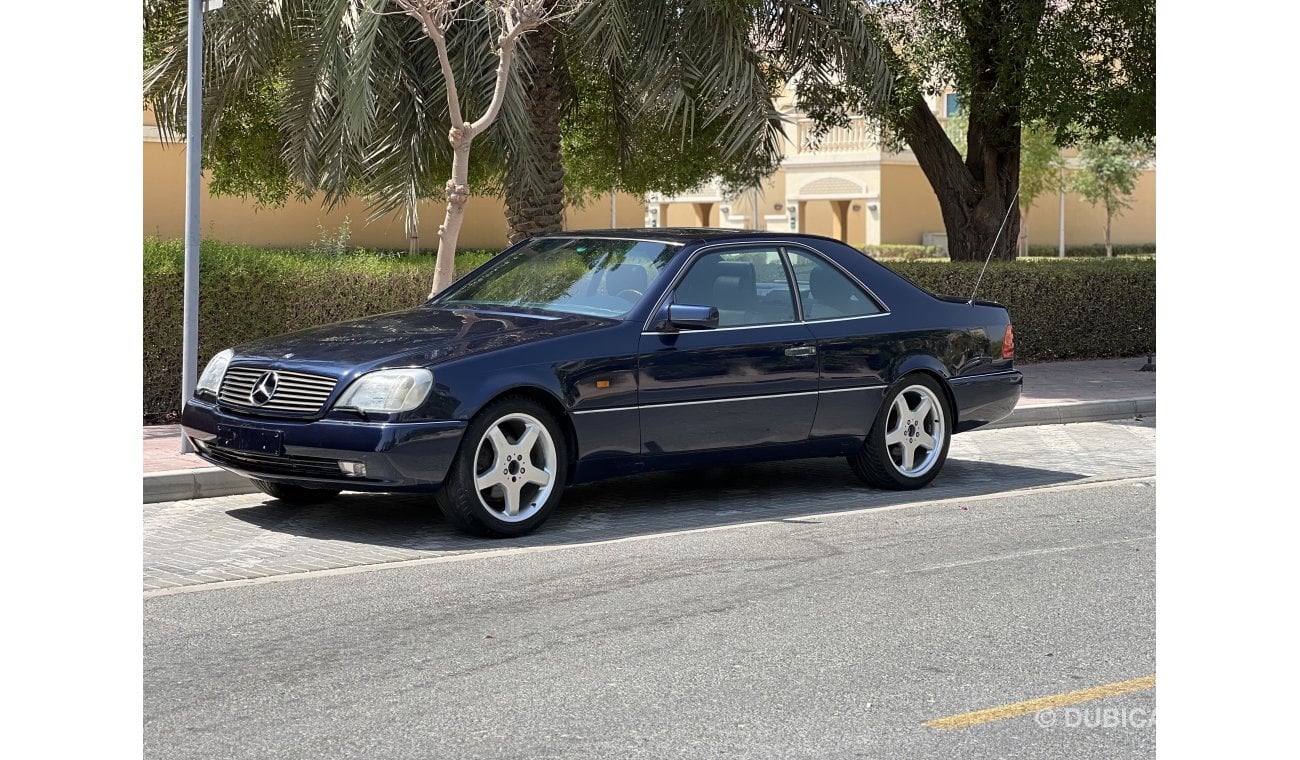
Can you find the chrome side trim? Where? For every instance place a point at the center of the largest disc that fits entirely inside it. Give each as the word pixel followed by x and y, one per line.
pixel 984 376
pixel 774 324
pixel 607 409
pixel 558 236
pixel 859 388
pixel 845 319
pixel 724 329
pixel 727 400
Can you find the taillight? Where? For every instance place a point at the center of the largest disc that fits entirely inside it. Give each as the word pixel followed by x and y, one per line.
pixel 1009 343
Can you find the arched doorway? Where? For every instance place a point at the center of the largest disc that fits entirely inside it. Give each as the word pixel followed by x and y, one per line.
pixel 833 206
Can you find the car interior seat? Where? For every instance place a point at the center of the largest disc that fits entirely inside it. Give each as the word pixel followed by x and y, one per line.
pixel 831 295
pixel 696 288
pixel 735 292
pixel 626 277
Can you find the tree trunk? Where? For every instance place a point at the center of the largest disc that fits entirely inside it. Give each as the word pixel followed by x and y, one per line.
pixel 1109 252
pixel 1023 247
pixel 978 196
pixel 529 213
pixel 444 268
pixel 974 195
pixel 516 19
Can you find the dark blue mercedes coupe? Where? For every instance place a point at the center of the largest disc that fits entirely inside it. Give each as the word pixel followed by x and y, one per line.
pixel 578 356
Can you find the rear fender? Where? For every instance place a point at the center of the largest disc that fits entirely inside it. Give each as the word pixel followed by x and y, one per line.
pixel 933 367
pixel 917 362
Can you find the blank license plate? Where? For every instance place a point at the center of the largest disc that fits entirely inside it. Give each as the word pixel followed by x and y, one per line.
pixel 251 439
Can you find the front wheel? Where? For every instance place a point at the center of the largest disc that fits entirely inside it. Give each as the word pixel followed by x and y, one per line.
pixel 296 495
pixel 908 442
pixel 509 473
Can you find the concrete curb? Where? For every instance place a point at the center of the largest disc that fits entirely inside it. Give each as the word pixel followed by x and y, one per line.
pixel 207 482
pixel 197 483
pixel 1078 411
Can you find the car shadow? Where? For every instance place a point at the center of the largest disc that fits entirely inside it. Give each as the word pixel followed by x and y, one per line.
pixel 640 504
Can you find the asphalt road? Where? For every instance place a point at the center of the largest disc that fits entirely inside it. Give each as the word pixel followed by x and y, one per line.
pixel 249 537
pixel 817 635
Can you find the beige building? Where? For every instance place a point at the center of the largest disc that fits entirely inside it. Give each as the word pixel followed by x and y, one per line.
pixel 297 224
pixel 849 188
pixel 846 187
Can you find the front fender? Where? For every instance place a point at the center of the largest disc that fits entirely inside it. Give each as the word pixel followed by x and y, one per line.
pixel 473 391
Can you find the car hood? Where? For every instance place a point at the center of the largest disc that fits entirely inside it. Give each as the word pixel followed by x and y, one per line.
pixel 416 337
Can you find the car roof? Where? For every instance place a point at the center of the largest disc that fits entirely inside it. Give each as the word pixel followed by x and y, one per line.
pixel 686 235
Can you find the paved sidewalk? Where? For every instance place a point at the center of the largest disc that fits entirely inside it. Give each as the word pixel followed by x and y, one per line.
pixel 195 542
pixel 1054 392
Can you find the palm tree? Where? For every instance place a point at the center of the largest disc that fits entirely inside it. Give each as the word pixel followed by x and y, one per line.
pixel 665 92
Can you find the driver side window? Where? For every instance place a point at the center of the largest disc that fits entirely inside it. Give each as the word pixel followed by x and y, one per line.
pixel 747 287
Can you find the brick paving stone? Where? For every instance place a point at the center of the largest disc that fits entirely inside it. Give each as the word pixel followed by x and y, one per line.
pixel 1090 380
pixel 248 536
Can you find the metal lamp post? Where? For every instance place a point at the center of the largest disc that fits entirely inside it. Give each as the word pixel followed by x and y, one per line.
pixel 193 176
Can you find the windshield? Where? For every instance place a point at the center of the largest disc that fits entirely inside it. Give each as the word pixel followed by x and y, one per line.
pixel 591 276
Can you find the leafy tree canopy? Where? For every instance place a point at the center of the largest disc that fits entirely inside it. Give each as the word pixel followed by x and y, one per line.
pixel 1109 171
pixel 1083 69
pixel 328 95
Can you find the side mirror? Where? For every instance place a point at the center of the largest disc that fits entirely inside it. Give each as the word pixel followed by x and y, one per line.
pixel 687 317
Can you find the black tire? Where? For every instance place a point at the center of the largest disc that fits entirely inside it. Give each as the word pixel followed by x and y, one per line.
pixel 296 495
pixel 486 511
pixel 881 463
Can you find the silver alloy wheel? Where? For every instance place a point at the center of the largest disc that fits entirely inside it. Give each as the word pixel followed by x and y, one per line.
pixel 915 426
pixel 514 467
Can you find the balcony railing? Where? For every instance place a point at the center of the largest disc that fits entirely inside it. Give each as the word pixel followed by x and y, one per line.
pixel 709 192
pixel 859 137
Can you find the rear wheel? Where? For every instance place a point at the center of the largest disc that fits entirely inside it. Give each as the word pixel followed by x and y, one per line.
pixel 908 442
pixel 296 495
pixel 509 473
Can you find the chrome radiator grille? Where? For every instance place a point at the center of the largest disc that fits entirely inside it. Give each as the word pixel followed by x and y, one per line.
pixel 275 390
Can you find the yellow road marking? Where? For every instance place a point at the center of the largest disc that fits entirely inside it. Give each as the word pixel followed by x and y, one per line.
pixel 1042 703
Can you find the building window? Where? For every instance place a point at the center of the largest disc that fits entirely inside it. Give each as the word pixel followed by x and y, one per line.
pixel 952 105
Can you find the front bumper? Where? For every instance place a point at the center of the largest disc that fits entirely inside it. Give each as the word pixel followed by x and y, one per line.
pixel 405 456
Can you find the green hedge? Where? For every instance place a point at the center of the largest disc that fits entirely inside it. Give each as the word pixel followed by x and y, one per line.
pixel 1062 309
pixel 1080 309
pixel 1125 249
pixel 247 293
pixel 916 252
pixel 901 252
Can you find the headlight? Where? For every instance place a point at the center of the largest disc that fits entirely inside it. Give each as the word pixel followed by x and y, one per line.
pixel 389 390
pixel 210 380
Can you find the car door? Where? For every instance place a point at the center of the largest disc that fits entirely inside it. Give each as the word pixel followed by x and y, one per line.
pixel 854 341
pixel 751 381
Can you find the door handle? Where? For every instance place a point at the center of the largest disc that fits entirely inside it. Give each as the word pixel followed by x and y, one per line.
pixel 801 351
